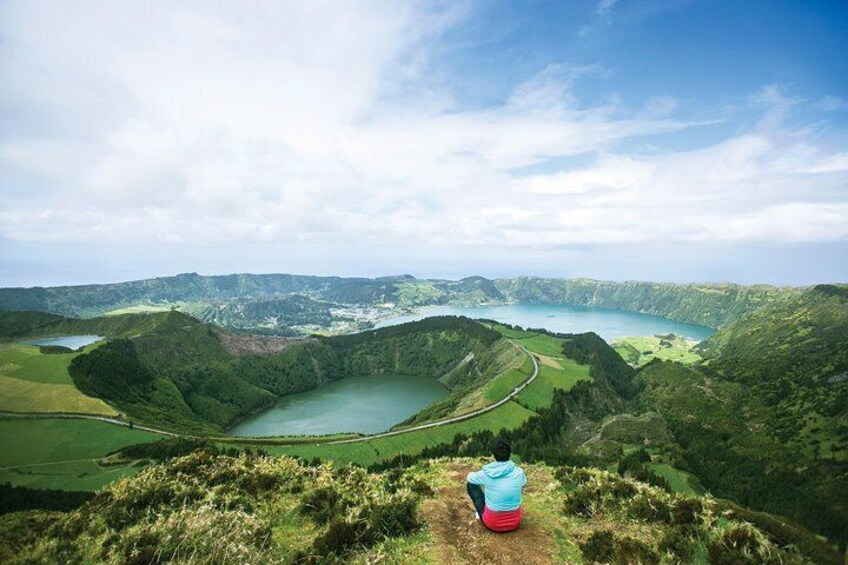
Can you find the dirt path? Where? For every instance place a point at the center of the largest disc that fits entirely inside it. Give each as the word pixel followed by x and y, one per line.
pixel 460 538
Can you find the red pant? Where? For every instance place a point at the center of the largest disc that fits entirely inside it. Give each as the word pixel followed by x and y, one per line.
pixel 495 521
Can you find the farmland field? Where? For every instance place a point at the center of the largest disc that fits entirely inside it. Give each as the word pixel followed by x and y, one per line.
pixel 639 351
pixel 137 309
pixel 679 481
pixel 62 453
pixel 541 391
pixel 26 362
pixel 31 381
pixel 26 396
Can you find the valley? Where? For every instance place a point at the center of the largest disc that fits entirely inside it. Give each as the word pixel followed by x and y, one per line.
pixel 693 418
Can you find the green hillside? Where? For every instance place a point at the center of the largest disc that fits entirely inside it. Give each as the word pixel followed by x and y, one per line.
pixel 295 305
pixel 169 370
pixel 713 305
pixel 16 326
pixel 277 510
pixel 793 355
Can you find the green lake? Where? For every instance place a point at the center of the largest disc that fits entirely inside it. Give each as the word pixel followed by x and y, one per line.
pixel 358 404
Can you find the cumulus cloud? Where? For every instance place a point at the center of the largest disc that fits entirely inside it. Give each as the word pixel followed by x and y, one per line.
pixel 303 122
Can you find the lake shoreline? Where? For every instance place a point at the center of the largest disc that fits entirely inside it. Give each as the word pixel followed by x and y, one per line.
pixel 309 412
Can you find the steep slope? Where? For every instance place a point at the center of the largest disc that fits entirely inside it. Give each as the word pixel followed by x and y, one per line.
pixel 713 305
pixel 793 354
pixel 19 325
pixel 266 510
pixel 721 430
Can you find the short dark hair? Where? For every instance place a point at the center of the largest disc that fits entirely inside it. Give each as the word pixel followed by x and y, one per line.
pixel 501 450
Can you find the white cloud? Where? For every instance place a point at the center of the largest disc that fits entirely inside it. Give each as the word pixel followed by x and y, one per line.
pixel 604 7
pixel 833 103
pixel 288 123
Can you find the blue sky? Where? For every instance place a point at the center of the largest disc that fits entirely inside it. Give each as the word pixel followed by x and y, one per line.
pixel 654 140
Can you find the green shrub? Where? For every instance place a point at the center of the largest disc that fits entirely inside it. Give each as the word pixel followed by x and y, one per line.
pixel 201 534
pixel 603 546
pixel 341 535
pixel 322 504
pixel 680 542
pixel 742 544
pixel 398 478
pixel 600 547
pixel 586 500
pixel 631 551
pixel 208 508
pixel 571 476
pixel 687 510
pixel 650 507
pixel 393 518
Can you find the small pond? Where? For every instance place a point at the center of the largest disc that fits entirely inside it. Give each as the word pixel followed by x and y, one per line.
pixel 70 341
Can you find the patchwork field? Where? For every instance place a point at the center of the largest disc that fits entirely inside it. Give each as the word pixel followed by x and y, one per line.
pixel 501 386
pixel 137 309
pixel 562 373
pixel 639 351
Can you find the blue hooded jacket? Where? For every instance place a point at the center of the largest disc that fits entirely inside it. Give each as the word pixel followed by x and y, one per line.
pixel 502 482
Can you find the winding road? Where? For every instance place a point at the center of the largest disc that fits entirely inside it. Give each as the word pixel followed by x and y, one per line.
pixel 483 410
pixel 270 441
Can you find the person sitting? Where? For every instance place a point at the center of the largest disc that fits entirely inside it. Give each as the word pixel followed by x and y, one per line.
pixel 495 490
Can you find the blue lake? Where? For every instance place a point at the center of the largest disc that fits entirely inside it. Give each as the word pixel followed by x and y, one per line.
pixel 561 318
pixel 70 341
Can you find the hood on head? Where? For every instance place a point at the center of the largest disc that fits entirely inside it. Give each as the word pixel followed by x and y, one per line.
pixel 498 469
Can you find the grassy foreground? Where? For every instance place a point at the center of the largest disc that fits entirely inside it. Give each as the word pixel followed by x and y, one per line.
pixel 275 510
